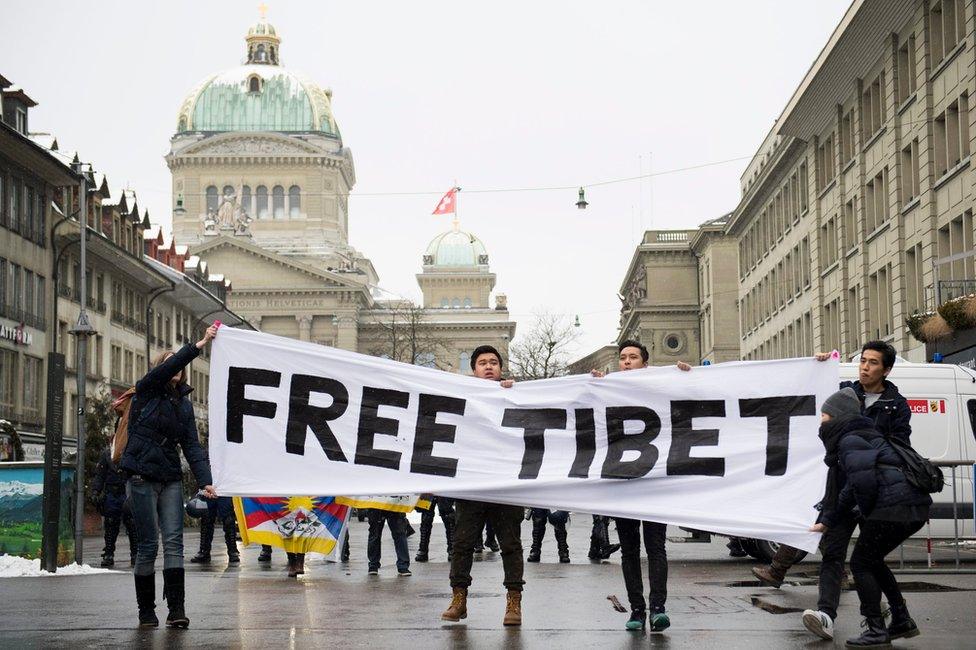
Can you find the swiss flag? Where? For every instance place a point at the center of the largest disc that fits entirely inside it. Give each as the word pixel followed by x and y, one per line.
pixel 448 203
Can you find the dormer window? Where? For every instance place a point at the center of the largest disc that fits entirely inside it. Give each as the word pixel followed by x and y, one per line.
pixel 254 84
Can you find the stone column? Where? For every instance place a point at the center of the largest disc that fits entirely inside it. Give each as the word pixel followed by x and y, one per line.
pixel 347 332
pixel 304 327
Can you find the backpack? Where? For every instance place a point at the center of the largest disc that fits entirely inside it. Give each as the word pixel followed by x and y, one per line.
pixel 919 471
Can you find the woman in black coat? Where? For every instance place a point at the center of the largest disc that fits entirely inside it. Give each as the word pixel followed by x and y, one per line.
pixel 867 479
pixel 160 420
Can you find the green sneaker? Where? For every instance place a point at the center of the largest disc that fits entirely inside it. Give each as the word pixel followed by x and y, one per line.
pixel 660 622
pixel 637 620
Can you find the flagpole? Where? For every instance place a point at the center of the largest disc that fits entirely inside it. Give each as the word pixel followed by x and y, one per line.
pixel 457 206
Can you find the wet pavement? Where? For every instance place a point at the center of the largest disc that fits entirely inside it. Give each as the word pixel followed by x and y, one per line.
pixel 713 602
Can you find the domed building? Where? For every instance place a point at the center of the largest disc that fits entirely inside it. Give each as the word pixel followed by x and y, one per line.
pixel 261 182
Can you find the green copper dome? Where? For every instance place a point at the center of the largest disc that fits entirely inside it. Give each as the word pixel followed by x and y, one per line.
pixel 257 97
pixel 456 248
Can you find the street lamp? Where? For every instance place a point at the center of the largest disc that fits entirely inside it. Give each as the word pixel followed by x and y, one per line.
pixel 82 329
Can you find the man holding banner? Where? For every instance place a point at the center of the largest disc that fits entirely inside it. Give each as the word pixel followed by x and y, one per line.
pixel 486 363
pixel 632 356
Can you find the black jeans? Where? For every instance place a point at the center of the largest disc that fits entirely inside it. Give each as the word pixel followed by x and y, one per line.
pixel 872 575
pixel 506 522
pixel 398 530
pixel 833 550
pixel 655 535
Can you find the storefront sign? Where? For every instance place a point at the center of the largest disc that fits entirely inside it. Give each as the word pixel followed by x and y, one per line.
pixel 16 333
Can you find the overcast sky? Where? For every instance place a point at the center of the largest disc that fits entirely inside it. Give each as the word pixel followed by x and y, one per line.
pixel 500 94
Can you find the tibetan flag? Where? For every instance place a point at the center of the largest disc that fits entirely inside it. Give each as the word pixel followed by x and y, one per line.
pixel 296 524
pixel 404 503
pixel 448 203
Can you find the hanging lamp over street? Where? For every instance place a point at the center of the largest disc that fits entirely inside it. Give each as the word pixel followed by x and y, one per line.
pixel 581 204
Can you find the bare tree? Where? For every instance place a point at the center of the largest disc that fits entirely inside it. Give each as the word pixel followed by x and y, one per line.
pixel 406 335
pixel 543 351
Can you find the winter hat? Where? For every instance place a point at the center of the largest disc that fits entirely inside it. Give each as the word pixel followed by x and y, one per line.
pixel 842 404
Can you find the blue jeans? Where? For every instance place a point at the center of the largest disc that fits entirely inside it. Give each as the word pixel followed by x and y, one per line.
pixel 157 508
pixel 398 530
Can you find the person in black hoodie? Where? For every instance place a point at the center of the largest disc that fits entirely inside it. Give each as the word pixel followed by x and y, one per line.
pixel 866 481
pixel 161 420
pixel 108 489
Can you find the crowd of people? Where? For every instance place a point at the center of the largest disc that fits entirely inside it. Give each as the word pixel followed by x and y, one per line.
pixel 139 485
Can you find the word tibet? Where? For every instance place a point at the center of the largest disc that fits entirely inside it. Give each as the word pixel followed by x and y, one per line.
pixel 630 431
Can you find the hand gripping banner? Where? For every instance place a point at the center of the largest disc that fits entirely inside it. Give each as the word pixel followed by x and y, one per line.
pixel 730 448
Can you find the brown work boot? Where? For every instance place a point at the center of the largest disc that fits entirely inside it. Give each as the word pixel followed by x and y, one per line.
pixel 513 608
pixel 458 608
pixel 769 575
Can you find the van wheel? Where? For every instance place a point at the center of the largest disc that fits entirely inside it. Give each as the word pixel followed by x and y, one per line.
pixel 765 550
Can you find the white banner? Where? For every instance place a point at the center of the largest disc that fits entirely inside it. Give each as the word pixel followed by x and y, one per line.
pixel 729 448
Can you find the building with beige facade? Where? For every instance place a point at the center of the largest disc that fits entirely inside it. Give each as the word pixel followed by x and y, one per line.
pixel 855 213
pixel 261 183
pixel 862 186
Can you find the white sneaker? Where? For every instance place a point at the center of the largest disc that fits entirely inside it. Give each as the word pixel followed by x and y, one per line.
pixel 819 623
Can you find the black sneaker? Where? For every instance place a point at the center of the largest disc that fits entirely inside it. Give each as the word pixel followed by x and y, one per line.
pixel 404 573
pixel 610 550
pixel 201 558
pixel 107 561
pixel 637 621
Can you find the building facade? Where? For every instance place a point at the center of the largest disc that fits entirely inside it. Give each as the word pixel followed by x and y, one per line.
pixel 864 187
pixel 856 211
pixel 30 178
pixel 261 182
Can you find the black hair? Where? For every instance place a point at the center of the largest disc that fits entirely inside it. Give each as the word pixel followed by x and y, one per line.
pixel 485 349
pixel 630 343
pixel 887 352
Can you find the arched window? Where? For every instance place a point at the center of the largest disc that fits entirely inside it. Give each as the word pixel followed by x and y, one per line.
pixel 212 199
pixel 467 303
pixel 464 363
pixel 294 201
pixel 262 54
pixel 445 303
pixel 254 84
pixel 278 201
pixel 456 303
pixel 262 197
pixel 246 199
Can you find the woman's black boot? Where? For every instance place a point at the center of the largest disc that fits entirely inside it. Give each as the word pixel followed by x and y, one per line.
pixel 174 591
pixel 146 600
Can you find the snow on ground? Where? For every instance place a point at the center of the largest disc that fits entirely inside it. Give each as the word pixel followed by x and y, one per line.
pixel 12 566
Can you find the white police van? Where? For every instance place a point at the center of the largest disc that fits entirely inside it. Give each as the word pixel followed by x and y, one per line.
pixel 942 398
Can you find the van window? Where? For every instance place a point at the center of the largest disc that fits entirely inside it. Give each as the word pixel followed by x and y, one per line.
pixel 971 407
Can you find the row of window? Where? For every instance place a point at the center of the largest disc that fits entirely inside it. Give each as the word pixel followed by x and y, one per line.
pixel 456 303
pixel 22 208
pixel 794 340
pixel 26 387
pixel 776 218
pixel 22 294
pixel 256 205
pixel 784 282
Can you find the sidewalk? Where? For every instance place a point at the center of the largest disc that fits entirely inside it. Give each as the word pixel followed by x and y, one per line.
pixel 713 603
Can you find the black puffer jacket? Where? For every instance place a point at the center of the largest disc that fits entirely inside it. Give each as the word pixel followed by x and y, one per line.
pixel 870 475
pixel 890 412
pixel 107 477
pixel 161 419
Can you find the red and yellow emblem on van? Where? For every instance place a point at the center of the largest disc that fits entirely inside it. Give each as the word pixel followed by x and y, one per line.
pixel 927 405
